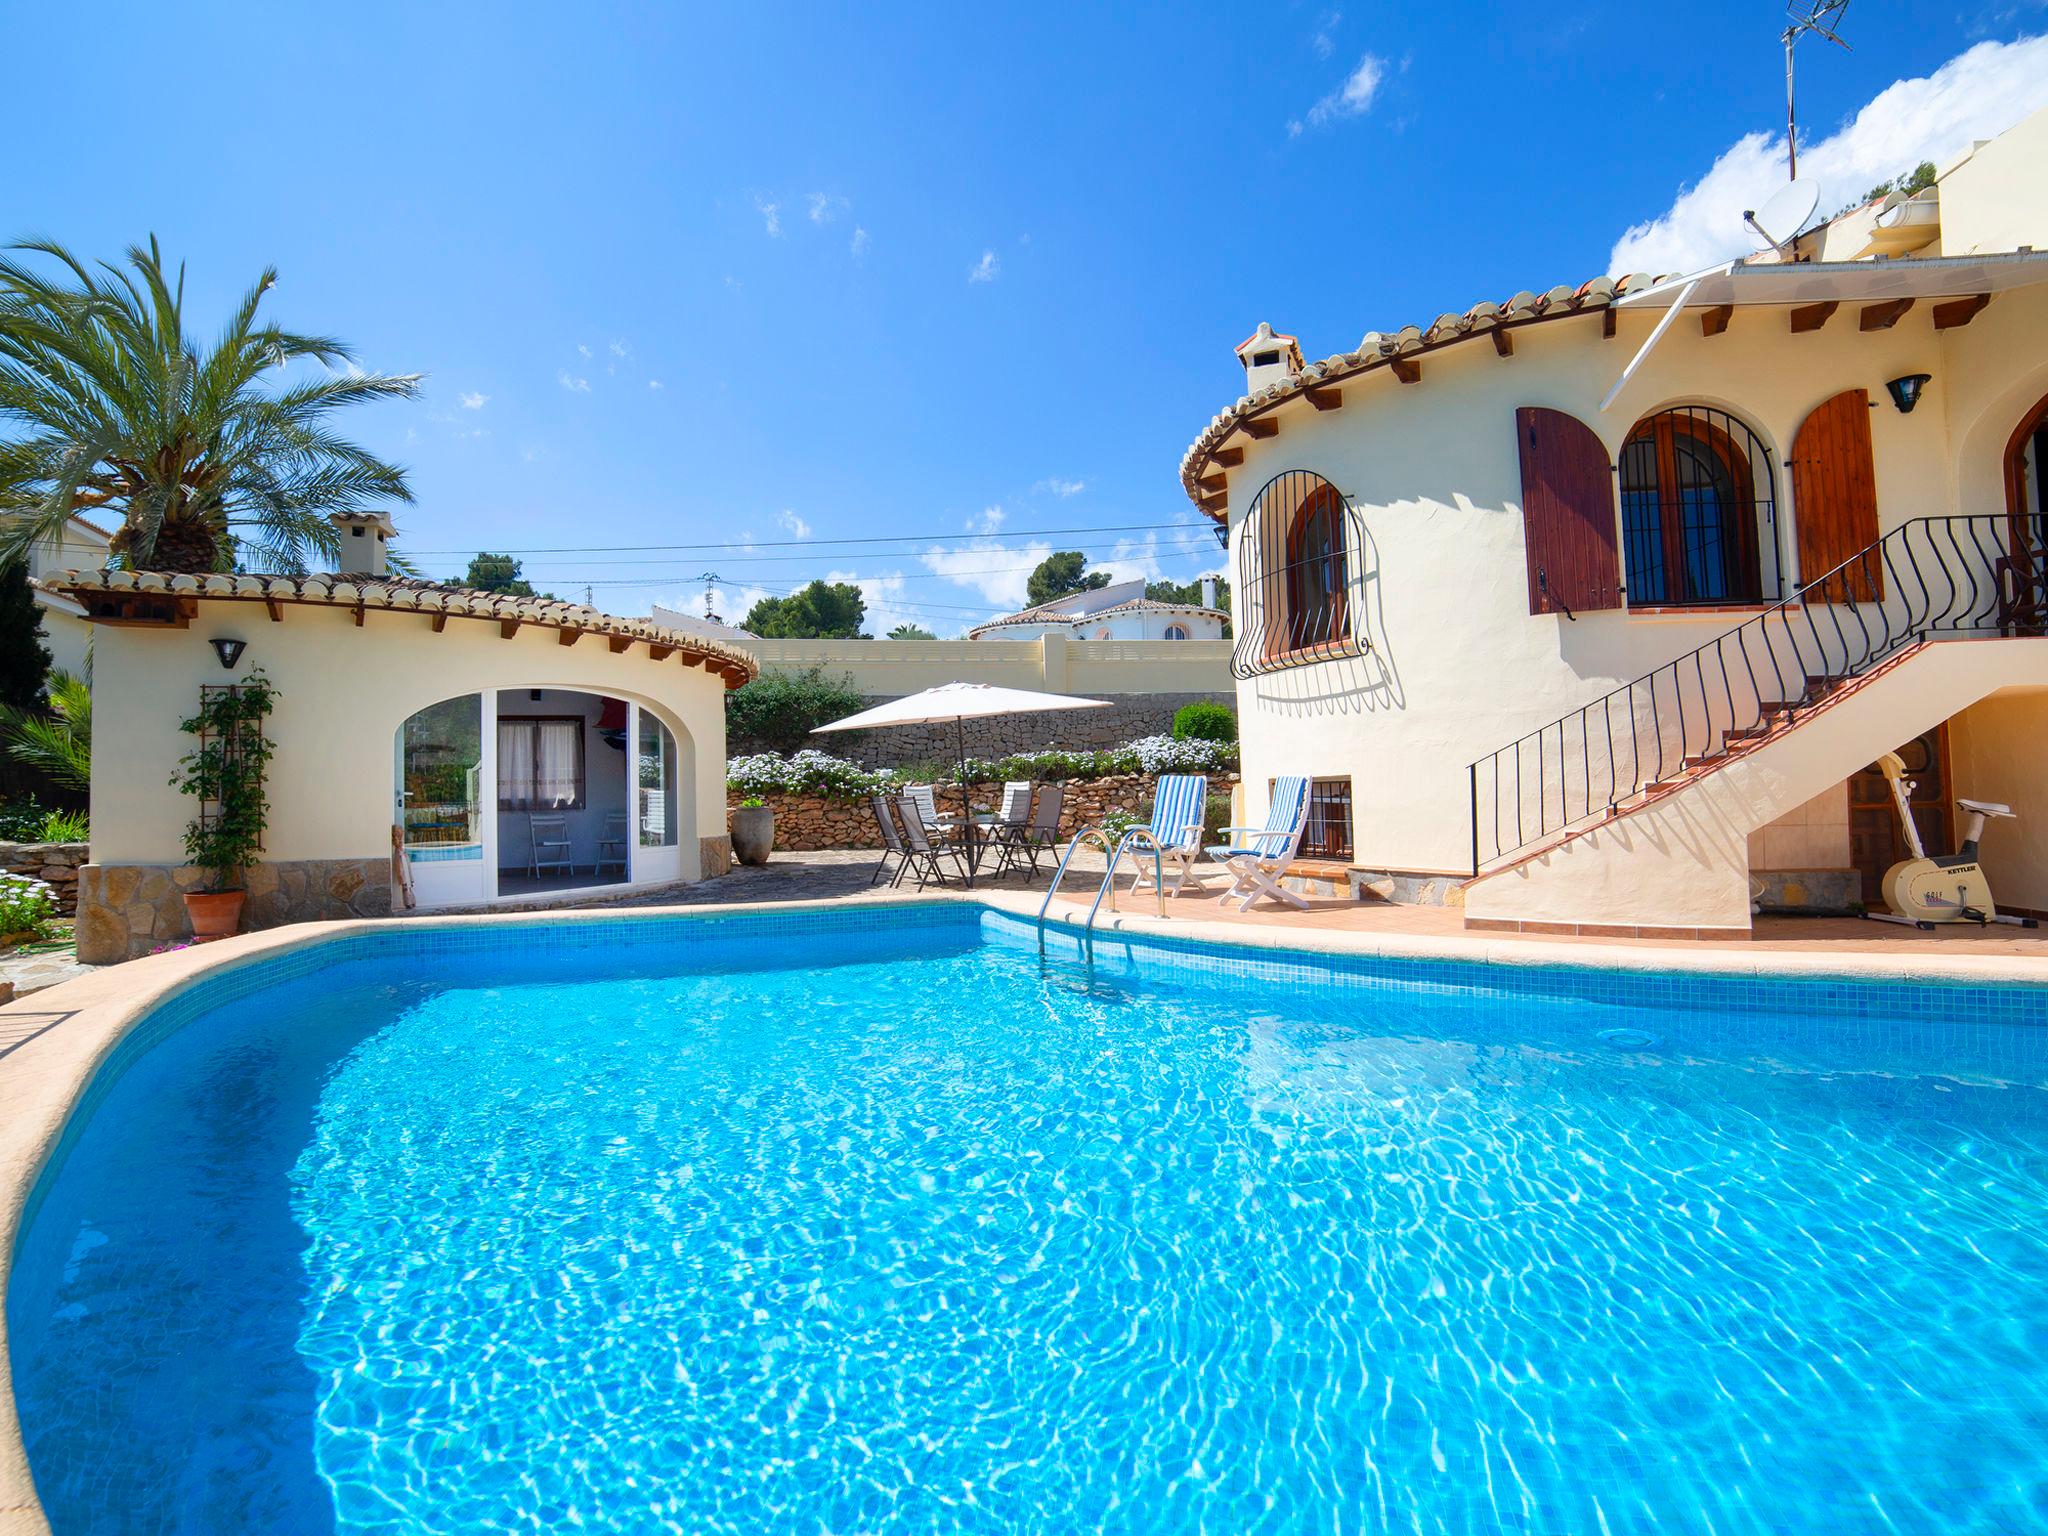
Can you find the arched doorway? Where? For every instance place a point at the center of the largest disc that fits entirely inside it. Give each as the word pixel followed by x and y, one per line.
pixel 526 792
pixel 1696 495
pixel 2023 574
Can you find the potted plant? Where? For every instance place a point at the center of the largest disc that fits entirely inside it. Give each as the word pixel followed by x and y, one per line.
pixel 225 774
pixel 753 831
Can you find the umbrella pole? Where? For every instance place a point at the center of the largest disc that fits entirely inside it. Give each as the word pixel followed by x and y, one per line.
pixel 966 807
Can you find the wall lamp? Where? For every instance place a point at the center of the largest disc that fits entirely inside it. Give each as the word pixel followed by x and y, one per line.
pixel 1905 390
pixel 229 651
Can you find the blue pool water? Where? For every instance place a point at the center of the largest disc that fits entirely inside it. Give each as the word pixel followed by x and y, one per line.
pixel 883 1222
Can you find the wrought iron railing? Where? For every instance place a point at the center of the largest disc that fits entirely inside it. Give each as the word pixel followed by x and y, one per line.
pixel 1300 591
pixel 1934 578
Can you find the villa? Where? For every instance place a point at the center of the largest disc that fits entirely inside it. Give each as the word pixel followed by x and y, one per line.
pixel 1119 611
pixel 1593 609
pixel 434 746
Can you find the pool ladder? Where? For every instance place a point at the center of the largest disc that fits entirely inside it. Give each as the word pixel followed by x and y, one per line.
pixel 1115 853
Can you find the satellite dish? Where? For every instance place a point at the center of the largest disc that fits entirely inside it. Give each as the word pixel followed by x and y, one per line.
pixel 1784 213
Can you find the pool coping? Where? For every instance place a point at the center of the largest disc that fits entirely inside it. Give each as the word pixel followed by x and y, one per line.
pixel 44 1076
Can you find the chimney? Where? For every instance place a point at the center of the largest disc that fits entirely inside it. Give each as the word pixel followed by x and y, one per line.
pixel 362 542
pixel 1208 591
pixel 1268 357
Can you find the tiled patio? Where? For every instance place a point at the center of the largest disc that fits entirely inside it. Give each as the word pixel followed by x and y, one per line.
pixel 845 875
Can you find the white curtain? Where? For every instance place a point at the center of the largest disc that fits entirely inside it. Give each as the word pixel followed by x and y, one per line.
pixel 556 781
pixel 515 763
pixel 540 764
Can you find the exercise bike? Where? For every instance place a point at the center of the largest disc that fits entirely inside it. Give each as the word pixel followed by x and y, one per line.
pixel 1951 888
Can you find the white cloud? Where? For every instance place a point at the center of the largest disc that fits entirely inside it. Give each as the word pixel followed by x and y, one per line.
pixel 771 216
pixel 472 401
pixel 999 572
pixel 824 207
pixel 792 525
pixel 730 603
pixel 1064 488
pixel 985 270
pixel 572 383
pixel 654 384
pixel 583 351
pixel 1133 557
pixel 1351 99
pixel 620 349
pixel 1323 43
pixel 988 521
pixel 1975 95
pixel 858 245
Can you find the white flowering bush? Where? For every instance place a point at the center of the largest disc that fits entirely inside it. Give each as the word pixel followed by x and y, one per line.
pixel 26 905
pixel 1164 754
pixel 808 772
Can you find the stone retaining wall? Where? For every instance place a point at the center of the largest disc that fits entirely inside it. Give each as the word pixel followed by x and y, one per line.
pixel 1128 717
pixel 54 863
pixel 126 910
pixel 809 823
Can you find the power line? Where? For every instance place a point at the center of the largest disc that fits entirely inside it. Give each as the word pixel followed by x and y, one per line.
pixel 1166 547
pixel 950 535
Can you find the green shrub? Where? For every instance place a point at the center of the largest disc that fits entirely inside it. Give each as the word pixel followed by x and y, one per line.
pixel 64 827
pixel 1215 817
pixel 1204 721
pixel 778 710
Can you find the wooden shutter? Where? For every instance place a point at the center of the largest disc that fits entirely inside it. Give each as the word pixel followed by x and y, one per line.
pixel 1568 518
pixel 1834 493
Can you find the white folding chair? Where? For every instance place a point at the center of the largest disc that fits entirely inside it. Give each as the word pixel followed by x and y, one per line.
pixel 1257 868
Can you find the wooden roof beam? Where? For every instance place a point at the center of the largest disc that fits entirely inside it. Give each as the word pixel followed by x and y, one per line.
pixel 1406 369
pixel 620 644
pixel 1261 427
pixel 440 622
pixel 1213 485
pixel 1811 317
pixel 661 652
pixel 1882 317
pixel 1610 322
pixel 507 628
pixel 1503 341
pixel 1958 312
pixel 1215 503
pixel 1325 399
pixel 1714 321
pixel 568 636
pixel 1227 458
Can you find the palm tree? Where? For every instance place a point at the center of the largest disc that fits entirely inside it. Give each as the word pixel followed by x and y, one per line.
pixel 59 742
pixel 107 404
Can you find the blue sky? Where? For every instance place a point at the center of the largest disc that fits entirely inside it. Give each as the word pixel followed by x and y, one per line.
pixel 754 274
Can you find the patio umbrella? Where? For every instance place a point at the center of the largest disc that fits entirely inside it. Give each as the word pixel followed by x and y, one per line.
pixel 959 702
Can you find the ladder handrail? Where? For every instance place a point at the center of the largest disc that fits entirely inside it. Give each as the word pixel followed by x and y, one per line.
pixel 1108 887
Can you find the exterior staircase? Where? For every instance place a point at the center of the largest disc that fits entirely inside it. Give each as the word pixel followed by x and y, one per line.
pixel 1739 699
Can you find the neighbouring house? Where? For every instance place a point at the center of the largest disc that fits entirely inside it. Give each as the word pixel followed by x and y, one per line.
pixel 1593 609
pixel 66 635
pixel 1119 611
pixel 433 745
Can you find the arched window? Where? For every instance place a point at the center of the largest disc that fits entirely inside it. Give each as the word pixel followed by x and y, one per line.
pixel 1176 632
pixel 1315 570
pixel 1296 559
pixel 1696 495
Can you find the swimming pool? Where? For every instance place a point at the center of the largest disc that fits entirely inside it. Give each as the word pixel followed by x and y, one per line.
pixel 880 1220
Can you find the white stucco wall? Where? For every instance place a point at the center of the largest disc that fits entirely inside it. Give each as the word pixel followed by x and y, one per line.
pixel 1459 667
pixel 343 692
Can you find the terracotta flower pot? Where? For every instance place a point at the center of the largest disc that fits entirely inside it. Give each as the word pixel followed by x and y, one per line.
pixel 214 914
pixel 753 833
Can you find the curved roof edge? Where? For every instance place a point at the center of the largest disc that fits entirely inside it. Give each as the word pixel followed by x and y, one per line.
pixel 1379 351
pixel 398 594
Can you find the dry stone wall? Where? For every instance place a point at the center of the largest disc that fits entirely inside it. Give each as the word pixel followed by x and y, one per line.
pixel 1128 717
pixel 809 823
pixel 55 864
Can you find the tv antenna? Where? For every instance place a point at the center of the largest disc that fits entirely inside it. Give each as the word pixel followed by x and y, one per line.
pixel 1820 17
pixel 710 580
